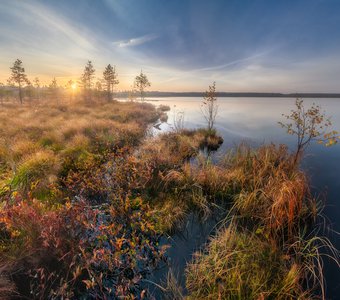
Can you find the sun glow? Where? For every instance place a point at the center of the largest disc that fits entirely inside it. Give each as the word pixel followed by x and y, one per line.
pixel 74 86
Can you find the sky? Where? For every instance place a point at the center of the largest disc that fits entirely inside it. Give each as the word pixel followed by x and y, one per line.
pixel 181 45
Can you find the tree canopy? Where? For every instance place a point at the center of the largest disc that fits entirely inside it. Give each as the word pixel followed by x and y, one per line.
pixel 142 82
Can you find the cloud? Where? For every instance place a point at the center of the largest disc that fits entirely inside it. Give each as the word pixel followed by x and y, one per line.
pixel 136 41
pixel 40 16
pixel 48 42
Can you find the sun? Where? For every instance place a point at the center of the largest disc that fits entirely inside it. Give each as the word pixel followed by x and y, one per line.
pixel 74 86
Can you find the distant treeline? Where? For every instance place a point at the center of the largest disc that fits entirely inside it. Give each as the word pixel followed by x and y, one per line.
pixel 234 94
pixel 90 86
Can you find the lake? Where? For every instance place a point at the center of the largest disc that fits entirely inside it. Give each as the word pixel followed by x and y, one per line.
pixel 255 120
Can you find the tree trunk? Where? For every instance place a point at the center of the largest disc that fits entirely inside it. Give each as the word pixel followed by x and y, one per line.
pixel 20 93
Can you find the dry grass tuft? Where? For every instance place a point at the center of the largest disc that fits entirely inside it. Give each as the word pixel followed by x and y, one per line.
pixel 48 136
pixel 241 265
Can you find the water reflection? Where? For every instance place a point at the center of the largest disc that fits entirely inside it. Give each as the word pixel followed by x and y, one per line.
pixel 255 120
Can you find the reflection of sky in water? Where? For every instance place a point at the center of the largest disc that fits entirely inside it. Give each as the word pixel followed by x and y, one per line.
pixel 255 120
pixel 247 118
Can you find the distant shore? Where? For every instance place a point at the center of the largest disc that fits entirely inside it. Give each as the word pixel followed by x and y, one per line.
pixel 235 94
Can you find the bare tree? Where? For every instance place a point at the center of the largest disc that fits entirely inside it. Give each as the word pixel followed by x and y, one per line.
pixel 209 107
pixel 18 78
pixel 87 80
pixel 110 79
pixel 142 82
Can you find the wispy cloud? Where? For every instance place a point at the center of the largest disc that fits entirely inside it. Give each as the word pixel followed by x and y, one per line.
pixel 40 16
pixel 235 62
pixel 136 41
pixel 259 53
pixel 49 43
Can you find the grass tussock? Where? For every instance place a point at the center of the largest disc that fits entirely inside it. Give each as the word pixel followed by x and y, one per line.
pixel 210 140
pixel 241 265
pixel 36 172
pixel 262 185
pixel 163 107
pixel 268 198
pixel 170 188
pixel 47 139
pixel 172 149
pixel 270 250
pixel 271 191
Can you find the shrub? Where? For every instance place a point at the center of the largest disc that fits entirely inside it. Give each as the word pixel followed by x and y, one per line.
pixel 309 125
pixel 78 250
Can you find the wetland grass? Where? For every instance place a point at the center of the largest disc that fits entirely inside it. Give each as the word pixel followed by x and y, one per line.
pixel 87 194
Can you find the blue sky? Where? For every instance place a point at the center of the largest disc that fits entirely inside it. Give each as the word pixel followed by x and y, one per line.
pixel 182 45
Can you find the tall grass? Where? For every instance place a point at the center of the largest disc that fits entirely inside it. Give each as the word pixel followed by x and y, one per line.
pixel 242 265
pixel 40 143
pixel 271 190
pixel 72 182
pixel 270 250
pixel 50 154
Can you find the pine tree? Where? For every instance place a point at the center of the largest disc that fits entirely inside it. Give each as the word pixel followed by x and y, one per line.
pixel 87 80
pixel 110 78
pixel 142 82
pixel 18 77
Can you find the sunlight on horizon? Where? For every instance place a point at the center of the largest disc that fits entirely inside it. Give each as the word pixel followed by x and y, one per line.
pixel 183 149
pixel 262 47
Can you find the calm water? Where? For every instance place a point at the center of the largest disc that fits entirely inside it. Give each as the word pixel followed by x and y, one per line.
pixel 255 120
